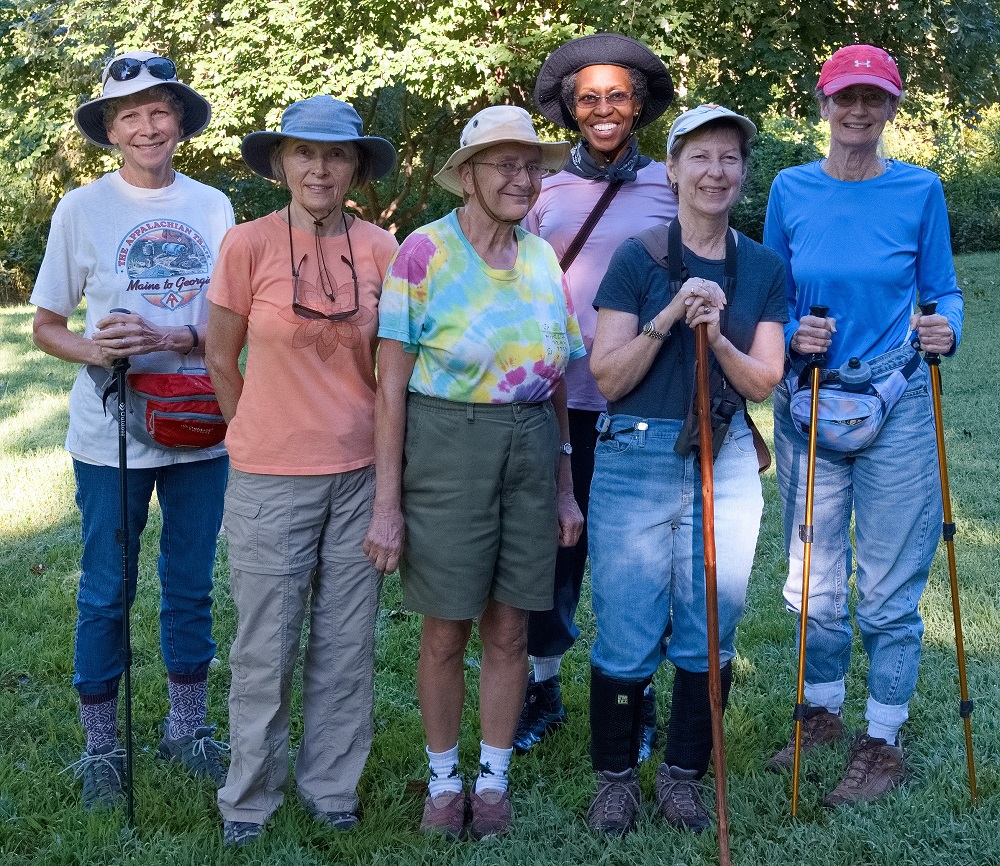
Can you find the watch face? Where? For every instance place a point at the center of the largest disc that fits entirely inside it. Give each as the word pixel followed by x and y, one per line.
pixel 566 448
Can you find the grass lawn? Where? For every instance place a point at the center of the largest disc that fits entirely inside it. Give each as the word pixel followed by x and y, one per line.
pixel 929 821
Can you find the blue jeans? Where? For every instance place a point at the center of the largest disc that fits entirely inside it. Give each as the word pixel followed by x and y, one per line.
pixel 190 497
pixel 893 490
pixel 646 551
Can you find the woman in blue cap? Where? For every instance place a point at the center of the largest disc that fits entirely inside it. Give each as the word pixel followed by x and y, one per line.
pixel 301 286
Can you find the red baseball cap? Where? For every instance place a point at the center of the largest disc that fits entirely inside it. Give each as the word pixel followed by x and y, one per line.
pixel 860 64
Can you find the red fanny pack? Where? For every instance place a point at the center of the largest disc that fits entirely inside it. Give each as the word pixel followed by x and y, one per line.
pixel 174 410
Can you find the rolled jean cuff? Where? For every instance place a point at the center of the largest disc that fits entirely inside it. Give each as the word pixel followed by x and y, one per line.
pixel 829 695
pixel 887 715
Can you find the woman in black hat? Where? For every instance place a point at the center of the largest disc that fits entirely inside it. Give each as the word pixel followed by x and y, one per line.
pixel 605 86
pixel 301 286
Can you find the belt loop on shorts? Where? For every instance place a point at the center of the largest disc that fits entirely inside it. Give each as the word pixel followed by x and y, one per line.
pixel 640 433
pixel 470 412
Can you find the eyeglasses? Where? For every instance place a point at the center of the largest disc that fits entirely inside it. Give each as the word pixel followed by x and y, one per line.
pixel 127 68
pixel 310 290
pixel 513 169
pixel 871 98
pixel 616 99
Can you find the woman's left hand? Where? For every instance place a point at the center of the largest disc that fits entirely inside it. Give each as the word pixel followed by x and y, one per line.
pixel 570 520
pixel 122 335
pixel 704 302
pixel 933 332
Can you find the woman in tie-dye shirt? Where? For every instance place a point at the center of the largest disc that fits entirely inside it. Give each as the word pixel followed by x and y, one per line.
pixel 473 490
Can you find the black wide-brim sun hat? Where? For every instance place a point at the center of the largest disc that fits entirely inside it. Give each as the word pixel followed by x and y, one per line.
pixel 599 49
pixel 319 118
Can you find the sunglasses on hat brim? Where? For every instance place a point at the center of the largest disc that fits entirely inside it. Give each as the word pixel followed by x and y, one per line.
pixel 127 68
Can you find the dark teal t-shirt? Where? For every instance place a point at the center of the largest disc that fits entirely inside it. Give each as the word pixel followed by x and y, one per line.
pixel 635 283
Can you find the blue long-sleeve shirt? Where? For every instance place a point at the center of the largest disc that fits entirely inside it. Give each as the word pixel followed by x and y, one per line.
pixel 869 250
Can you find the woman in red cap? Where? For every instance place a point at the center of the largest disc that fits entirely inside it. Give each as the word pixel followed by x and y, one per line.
pixel 867 238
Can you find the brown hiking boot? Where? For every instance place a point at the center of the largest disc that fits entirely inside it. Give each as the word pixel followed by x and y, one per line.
pixel 616 803
pixel 820 727
pixel 679 794
pixel 874 769
pixel 490 814
pixel 444 813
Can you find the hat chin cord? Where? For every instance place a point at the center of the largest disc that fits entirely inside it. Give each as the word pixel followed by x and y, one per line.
pixel 486 208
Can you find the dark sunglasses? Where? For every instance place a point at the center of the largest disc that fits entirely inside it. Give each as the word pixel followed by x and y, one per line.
pixel 305 312
pixel 127 68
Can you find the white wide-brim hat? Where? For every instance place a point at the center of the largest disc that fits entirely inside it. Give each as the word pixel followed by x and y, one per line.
pixel 89 117
pixel 499 124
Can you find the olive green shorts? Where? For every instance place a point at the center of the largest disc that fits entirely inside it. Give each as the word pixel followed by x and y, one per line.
pixel 479 503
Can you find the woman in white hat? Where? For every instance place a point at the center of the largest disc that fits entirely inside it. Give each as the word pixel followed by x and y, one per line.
pixel 143 239
pixel 605 86
pixel 473 496
pixel 301 287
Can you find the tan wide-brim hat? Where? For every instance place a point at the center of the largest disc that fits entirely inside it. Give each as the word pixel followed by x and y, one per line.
pixel 89 117
pixel 499 124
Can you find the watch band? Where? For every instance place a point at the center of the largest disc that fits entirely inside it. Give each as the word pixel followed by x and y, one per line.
pixel 650 331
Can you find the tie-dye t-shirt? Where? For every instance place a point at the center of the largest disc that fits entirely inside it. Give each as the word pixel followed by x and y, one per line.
pixel 480 335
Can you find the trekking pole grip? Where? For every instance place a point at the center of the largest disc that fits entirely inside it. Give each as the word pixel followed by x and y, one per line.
pixel 928 309
pixel 818 359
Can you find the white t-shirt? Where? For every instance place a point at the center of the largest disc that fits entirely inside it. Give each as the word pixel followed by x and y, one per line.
pixel 150 251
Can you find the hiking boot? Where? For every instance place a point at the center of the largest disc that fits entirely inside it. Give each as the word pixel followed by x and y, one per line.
pixel 236 834
pixel 616 804
pixel 874 769
pixel 103 772
pixel 198 752
pixel 490 814
pixel 543 713
pixel 679 796
pixel 444 813
pixel 335 820
pixel 820 727
pixel 648 741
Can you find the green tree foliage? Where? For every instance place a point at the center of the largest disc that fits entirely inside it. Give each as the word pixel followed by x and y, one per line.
pixel 416 70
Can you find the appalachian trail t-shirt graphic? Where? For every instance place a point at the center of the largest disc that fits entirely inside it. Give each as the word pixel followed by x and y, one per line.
pixel 167 262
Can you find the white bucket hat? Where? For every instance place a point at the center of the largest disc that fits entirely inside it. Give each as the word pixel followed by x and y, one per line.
pixel 89 117
pixel 499 124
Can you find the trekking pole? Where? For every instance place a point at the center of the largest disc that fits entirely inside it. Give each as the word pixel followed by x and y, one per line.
pixel 948 534
pixel 121 384
pixel 711 587
pixel 814 364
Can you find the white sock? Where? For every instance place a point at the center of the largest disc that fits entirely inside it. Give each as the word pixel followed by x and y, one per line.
pixel 888 733
pixel 444 771
pixel 493 766
pixel 545 667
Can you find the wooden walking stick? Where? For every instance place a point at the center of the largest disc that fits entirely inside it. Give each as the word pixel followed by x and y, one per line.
pixel 711 587
pixel 813 365
pixel 948 534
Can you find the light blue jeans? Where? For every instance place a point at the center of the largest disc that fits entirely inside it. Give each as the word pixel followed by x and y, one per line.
pixel 893 490
pixel 190 496
pixel 646 549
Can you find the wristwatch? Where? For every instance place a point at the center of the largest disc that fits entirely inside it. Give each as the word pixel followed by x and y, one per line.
pixel 566 448
pixel 650 331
